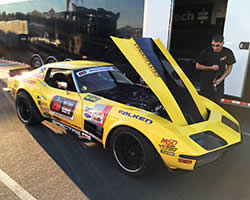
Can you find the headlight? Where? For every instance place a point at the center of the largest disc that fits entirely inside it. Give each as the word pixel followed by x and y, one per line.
pixel 208 140
pixel 230 123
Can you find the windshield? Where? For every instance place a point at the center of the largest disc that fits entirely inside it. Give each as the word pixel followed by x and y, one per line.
pixel 96 79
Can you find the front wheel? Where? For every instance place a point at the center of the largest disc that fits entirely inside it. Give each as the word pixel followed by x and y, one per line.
pixel 27 110
pixel 134 154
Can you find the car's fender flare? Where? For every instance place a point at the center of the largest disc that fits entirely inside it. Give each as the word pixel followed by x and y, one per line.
pixel 24 90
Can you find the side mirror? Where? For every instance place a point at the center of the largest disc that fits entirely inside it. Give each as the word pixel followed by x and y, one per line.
pixel 62 85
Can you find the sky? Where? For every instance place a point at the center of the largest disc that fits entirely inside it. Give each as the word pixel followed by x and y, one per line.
pixel 131 11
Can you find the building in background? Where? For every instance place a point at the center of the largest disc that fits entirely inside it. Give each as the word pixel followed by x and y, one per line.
pixel 38 32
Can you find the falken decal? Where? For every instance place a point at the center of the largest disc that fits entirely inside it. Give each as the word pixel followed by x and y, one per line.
pixel 94 70
pixel 168 146
pixel 135 116
pixel 97 114
pixel 63 107
pixel 91 98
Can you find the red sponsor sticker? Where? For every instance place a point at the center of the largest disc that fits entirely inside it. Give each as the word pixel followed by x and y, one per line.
pixel 169 142
pixel 63 107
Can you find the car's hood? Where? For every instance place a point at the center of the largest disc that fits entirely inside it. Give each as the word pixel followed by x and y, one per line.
pixel 161 73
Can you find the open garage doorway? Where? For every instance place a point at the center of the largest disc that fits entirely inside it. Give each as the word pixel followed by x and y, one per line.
pixel 194 23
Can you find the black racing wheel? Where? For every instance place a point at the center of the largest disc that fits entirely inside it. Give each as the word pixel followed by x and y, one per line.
pixel 27 110
pixel 132 151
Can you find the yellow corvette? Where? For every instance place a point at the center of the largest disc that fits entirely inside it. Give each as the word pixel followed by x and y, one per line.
pixel 166 119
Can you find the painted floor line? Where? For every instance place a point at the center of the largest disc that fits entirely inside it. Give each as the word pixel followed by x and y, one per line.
pixel 245 133
pixel 15 187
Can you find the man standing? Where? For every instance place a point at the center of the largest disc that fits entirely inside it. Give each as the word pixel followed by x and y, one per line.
pixel 215 63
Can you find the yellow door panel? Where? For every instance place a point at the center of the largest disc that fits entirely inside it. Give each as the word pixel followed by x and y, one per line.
pixel 63 106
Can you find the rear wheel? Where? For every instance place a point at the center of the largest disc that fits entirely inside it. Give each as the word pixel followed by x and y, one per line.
pixel 134 154
pixel 27 110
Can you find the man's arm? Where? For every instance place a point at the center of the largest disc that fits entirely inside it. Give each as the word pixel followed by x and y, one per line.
pixel 204 67
pixel 67 5
pixel 224 75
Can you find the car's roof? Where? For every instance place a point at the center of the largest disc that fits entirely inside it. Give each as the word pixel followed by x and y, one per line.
pixel 77 64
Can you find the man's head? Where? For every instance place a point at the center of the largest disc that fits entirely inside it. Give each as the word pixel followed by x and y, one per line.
pixel 217 43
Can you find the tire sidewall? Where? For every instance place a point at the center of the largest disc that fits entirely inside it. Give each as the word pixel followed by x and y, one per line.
pixel 36 60
pixel 35 116
pixel 147 152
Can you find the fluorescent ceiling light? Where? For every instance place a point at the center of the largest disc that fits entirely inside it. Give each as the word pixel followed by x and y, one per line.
pixel 11 1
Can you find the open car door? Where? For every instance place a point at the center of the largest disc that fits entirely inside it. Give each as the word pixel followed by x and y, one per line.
pixel 165 78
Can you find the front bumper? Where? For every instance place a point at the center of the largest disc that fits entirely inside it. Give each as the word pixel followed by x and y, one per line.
pixel 209 157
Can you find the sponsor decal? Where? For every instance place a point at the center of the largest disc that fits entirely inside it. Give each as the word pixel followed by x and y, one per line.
pixel 167 152
pixel 148 63
pixel 13 91
pixel 41 97
pixel 44 109
pixel 66 122
pixel 169 142
pixel 41 103
pixel 43 69
pixel 98 114
pixel 47 114
pixel 91 98
pixel 44 84
pixel 168 146
pixel 94 70
pixel 29 81
pixel 63 107
pixel 15 84
pixel 38 76
pixel 96 138
pixel 223 58
pixel 135 116
pixel 80 133
pixel 95 118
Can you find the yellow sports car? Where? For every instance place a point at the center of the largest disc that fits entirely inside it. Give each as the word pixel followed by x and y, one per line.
pixel 167 118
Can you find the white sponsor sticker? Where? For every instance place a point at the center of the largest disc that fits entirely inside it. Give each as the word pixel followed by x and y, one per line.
pixel 94 70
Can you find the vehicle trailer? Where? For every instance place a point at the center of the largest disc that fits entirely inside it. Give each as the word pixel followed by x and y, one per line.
pixel 44 33
pixel 39 32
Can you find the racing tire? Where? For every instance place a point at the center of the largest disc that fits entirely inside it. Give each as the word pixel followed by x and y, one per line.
pixel 26 109
pixel 133 153
pixel 36 62
pixel 68 59
pixel 51 59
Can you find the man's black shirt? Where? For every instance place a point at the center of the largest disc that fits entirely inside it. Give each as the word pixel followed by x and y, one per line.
pixel 209 58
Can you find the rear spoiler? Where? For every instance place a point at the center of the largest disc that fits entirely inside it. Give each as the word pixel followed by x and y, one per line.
pixel 15 72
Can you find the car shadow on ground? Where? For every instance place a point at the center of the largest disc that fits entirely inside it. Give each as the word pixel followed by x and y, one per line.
pixel 92 168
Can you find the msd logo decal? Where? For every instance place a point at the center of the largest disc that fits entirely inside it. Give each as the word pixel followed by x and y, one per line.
pixel 169 142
